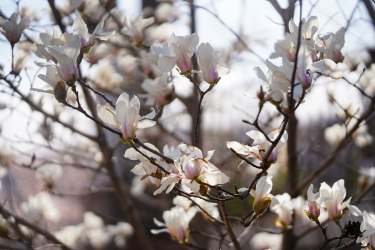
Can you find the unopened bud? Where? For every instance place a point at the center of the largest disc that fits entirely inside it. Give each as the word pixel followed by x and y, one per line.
pixel 261 94
pixel 60 91
pixel 261 205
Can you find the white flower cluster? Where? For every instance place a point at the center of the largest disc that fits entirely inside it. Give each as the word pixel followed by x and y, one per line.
pixel 92 232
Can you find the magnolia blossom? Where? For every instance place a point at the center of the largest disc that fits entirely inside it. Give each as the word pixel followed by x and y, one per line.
pixel 146 167
pixel 49 173
pixel 40 207
pixel 66 57
pixel 97 52
pixel 45 40
pixel 177 50
pixel 367 230
pixel 367 176
pixel 126 116
pixel 260 145
pixel 183 202
pixel 308 30
pixel 367 80
pixel 11 30
pixel 331 44
pixel 19 61
pixel 120 233
pixel 59 88
pixel 158 90
pixel 314 202
pixel 284 209
pixel 208 62
pixel 192 167
pixel 149 61
pixel 136 25
pixel 80 29
pixel 262 196
pixel 264 240
pixel 176 222
pixel 335 204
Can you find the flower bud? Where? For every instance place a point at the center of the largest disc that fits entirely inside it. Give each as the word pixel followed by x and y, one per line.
pixel 60 91
pixel 261 205
pixel 192 168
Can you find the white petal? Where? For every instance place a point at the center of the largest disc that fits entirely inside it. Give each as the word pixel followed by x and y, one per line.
pixel 222 70
pixel 354 210
pixel 260 74
pixel 146 124
pixel 107 116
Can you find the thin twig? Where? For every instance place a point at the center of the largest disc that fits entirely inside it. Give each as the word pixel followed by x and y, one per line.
pixel 96 92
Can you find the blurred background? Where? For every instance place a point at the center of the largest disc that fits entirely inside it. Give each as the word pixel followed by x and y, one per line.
pixel 30 140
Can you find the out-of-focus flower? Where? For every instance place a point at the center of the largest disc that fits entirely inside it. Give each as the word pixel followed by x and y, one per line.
pixel 367 80
pixel 331 44
pixel 349 110
pixel 105 75
pixel 367 230
pixel 159 33
pixel 40 207
pixel 3 173
pixel 27 11
pixel 19 61
pixel 335 134
pixel 176 222
pixel 335 204
pixel 165 13
pixel 262 196
pixel 120 233
pixel 266 240
pixel 158 90
pixel 80 29
pixel 149 61
pixel 209 207
pixel 97 52
pixel 260 145
pixel 314 202
pixel 208 62
pixel 367 176
pixel 135 27
pixel 183 202
pixel 126 116
pixel 49 173
pixel 284 210
pixel 70 234
pixel 13 30
pixel 59 88
pixel 177 50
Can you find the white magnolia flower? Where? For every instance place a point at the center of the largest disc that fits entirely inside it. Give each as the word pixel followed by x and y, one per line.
pixel 49 173
pixel 120 232
pixel 158 90
pixel 367 230
pixel 40 207
pixel 367 176
pixel 136 25
pixel 149 61
pixel 19 61
pixel 209 207
pixel 266 241
pixel 262 196
pixel 59 88
pixel 97 52
pixel 308 30
pixel 70 235
pixel 284 209
pixel 260 145
pixel 331 44
pixel 80 29
pixel 335 134
pixel 126 116
pixel 11 30
pixel 146 167
pixel 335 204
pixel 45 40
pixel 177 50
pixel 66 57
pixel 367 80
pixel 176 222
pixel 183 202
pixel 208 62
pixel 314 202
pixel 192 167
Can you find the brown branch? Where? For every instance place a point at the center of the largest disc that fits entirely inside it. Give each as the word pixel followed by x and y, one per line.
pixel 332 156
pixel 56 13
pixel 228 226
pixel 96 92
pixel 6 213
pixel 39 109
